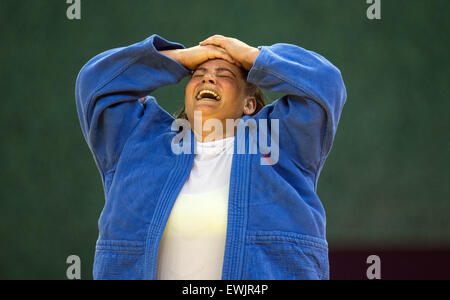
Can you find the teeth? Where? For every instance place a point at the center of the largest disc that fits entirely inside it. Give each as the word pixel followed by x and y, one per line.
pixel 200 95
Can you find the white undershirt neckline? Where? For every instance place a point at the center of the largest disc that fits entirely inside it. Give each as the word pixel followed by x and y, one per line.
pixel 193 243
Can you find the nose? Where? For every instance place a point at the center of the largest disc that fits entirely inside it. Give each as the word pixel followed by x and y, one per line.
pixel 208 78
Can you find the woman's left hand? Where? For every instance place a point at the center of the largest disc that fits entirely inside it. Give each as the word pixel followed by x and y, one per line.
pixel 239 51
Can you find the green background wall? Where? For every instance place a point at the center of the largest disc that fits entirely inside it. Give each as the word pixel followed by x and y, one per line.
pixel 386 181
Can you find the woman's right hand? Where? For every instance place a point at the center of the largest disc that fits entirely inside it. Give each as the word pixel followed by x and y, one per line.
pixel 192 57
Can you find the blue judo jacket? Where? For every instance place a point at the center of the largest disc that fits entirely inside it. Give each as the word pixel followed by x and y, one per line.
pixel 276 222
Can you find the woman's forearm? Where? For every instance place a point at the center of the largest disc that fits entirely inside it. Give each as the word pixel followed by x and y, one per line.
pixel 173 54
pixel 124 75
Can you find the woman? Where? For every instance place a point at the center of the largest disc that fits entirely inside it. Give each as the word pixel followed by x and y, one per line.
pixel 215 212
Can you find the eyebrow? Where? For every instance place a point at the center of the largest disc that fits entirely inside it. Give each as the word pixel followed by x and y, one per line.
pixel 217 70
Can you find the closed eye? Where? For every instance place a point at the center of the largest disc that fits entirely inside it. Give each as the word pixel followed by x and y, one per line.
pixel 220 72
pixel 225 76
pixel 224 72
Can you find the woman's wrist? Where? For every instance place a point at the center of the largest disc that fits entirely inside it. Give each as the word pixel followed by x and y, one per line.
pixel 251 58
pixel 173 54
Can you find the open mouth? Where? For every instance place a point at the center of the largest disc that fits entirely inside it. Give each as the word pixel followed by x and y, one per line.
pixel 208 95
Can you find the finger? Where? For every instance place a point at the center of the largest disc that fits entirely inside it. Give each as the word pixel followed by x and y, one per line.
pixel 217 40
pixel 215 37
pixel 222 54
pixel 213 52
pixel 214 42
pixel 227 55
pixel 217 50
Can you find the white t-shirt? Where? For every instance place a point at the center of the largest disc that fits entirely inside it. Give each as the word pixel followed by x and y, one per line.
pixel 193 243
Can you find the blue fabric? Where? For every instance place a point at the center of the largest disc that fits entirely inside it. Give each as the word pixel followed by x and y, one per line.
pixel 276 222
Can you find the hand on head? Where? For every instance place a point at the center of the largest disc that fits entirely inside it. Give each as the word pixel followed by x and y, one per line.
pixel 216 47
pixel 239 51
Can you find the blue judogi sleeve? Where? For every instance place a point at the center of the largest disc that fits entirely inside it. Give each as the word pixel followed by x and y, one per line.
pixel 309 112
pixel 109 92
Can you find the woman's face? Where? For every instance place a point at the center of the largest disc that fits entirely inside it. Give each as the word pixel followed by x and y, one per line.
pixel 217 89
